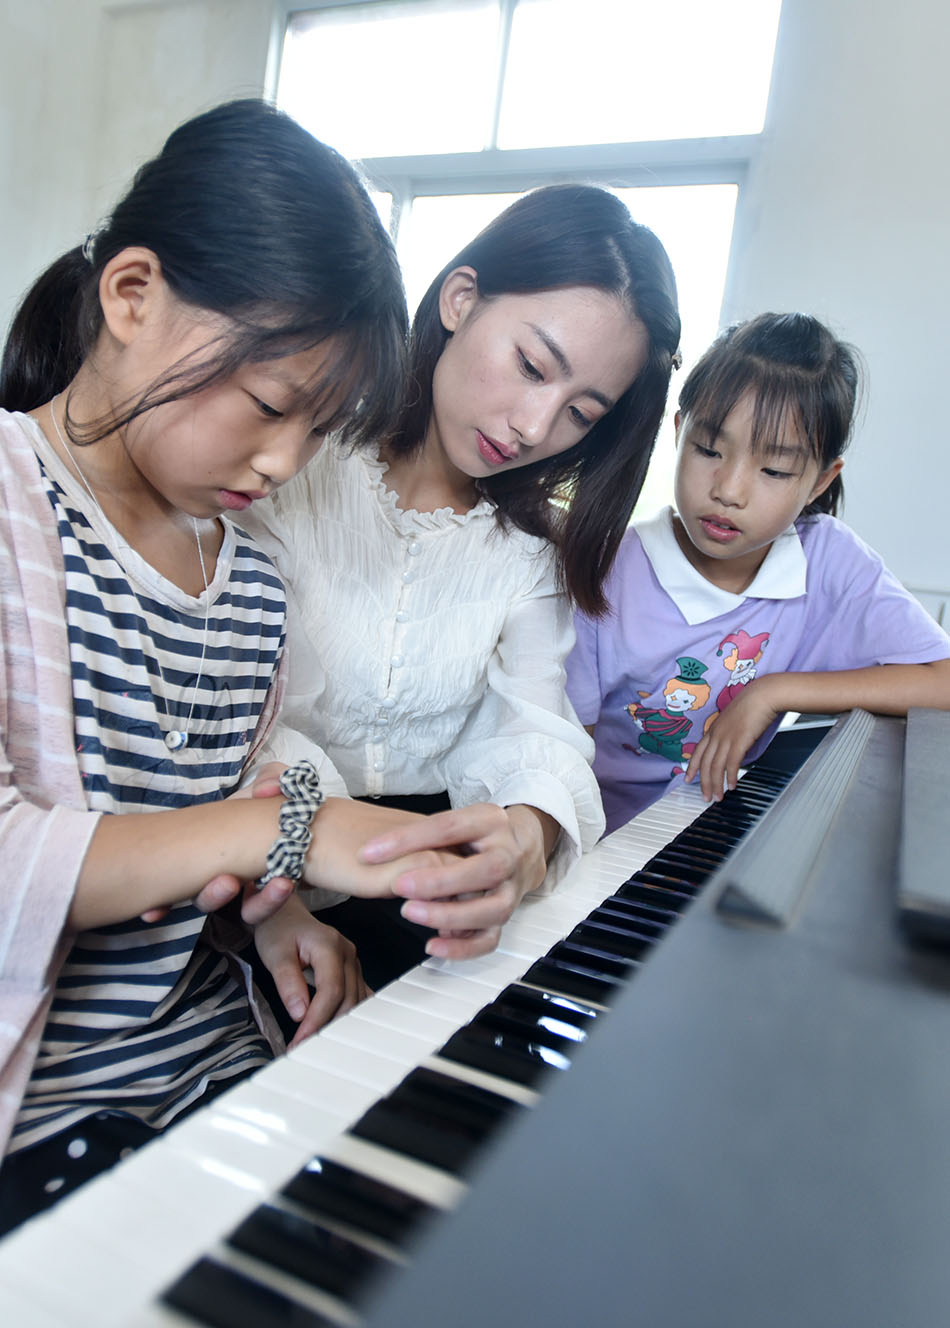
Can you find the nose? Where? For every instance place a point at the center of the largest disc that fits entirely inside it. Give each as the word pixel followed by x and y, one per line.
pixel 283 454
pixel 730 483
pixel 533 418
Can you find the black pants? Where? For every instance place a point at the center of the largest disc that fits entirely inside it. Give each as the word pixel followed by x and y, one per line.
pixel 386 943
pixel 33 1179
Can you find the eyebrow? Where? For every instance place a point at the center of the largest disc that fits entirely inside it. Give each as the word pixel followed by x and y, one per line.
pixel 775 448
pixel 564 364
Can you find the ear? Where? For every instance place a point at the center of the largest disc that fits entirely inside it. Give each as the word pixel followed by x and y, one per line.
pixel 825 478
pixel 458 296
pixel 677 418
pixel 131 289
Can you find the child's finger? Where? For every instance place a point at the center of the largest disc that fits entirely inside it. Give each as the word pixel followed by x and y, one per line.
pixel 259 905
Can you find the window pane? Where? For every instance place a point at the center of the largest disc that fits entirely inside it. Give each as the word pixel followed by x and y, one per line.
pixel 616 71
pixel 436 229
pixel 695 224
pixel 366 78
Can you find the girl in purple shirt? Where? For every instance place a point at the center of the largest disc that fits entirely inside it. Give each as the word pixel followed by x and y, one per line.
pixel 749 591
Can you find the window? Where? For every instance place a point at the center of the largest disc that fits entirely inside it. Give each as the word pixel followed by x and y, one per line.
pixel 455 107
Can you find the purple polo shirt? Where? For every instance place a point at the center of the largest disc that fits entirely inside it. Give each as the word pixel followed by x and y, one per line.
pixel 676 648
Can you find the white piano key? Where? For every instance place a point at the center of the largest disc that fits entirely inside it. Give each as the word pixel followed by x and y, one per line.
pixel 492 970
pixel 157 1316
pixel 62 1276
pixel 421 1023
pixel 340 1103
pixel 527 940
pixel 407 995
pixel 216 1136
pixel 22 1311
pixel 404 1048
pixel 364 1067
pixel 434 1186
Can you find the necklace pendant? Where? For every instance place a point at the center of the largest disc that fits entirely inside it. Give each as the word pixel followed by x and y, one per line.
pixel 175 740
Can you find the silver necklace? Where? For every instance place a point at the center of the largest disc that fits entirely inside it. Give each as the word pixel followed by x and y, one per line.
pixel 175 739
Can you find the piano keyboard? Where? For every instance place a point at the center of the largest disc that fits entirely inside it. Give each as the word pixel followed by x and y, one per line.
pixel 288 1197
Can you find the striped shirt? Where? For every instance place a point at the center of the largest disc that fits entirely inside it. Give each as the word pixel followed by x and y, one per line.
pixel 144 1016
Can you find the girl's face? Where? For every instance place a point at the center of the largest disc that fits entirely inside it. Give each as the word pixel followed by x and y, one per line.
pixel 524 377
pixel 226 446
pixel 232 444
pixel 732 503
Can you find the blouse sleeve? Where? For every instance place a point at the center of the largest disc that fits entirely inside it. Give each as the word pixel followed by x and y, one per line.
pixel 44 828
pixel 523 743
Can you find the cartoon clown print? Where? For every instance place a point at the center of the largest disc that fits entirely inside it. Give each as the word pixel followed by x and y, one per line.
pixel 741 662
pixel 665 731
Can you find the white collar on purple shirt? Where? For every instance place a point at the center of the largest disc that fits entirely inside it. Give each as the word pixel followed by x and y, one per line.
pixel 782 575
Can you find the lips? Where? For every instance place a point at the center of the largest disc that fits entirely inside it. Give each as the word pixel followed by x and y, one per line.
pixel 494 453
pixel 232 501
pixel 715 528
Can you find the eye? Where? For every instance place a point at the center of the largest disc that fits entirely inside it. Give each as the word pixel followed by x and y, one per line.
pixel 704 450
pixel 528 369
pixel 269 411
pixel 580 419
pixel 777 474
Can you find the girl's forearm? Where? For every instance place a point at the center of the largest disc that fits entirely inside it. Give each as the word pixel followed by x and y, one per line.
pixel 884 689
pixel 148 860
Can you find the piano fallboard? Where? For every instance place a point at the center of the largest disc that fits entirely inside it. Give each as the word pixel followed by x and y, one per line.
pixel 757 1137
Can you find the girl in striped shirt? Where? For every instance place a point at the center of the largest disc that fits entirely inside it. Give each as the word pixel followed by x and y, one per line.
pixel 241 300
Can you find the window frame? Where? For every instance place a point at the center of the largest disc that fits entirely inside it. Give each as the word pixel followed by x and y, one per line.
pixel 656 163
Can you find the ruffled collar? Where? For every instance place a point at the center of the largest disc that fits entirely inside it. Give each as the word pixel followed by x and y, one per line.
pixel 406 520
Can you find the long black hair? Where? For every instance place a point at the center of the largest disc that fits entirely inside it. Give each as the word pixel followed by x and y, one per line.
pixel 252 218
pixel 559 236
pixel 798 372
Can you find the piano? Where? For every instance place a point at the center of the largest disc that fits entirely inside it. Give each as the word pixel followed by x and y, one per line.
pixel 747 1135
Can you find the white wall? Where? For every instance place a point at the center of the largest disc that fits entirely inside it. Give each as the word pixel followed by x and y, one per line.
pixel 844 215
pixel 90 89
pixel 847 215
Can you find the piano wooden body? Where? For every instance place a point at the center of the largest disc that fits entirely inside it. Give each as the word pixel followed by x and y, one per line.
pixel 752 1136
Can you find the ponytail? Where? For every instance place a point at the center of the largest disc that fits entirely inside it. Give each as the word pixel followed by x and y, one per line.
pixel 49 335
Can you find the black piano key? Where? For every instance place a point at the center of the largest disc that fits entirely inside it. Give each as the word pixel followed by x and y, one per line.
pixel 610 942
pixel 636 923
pixel 599 958
pixel 521 1034
pixel 665 896
pixel 558 971
pixel 435 1118
pixel 221 1297
pixel 336 1191
pixel 508 1053
pixel 308 1251
pixel 660 913
pixel 679 869
pixel 547 1007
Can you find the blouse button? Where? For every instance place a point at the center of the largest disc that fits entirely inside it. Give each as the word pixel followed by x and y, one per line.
pixel 396 661
pixel 379 766
pixel 408 576
pixel 414 549
pixel 402 616
pixel 387 703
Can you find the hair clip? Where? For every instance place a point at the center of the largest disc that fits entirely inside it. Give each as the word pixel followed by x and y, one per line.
pixel 92 239
pixel 676 359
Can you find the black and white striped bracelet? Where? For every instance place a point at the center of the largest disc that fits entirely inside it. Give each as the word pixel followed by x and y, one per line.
pixel 300 785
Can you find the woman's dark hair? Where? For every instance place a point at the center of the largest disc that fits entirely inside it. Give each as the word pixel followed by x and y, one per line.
pixel 799 374
pixel 252 218
pixel 560 236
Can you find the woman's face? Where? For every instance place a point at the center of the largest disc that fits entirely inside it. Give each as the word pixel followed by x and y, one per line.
pixel 524 377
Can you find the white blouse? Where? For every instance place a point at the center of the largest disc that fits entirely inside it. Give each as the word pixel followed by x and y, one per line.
pixel 427 649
